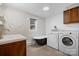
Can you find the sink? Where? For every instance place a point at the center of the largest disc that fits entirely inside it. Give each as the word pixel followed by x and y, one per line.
pixel 11 38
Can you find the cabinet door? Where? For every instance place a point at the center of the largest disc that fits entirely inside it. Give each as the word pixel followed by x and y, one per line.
pixel 13 49
pixel 16 49
pixel 74 15
pixel 2 50
pixel 66 16
pixel 71 15
pixel 52 41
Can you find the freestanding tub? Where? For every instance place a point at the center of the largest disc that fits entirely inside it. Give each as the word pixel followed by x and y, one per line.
pixel 41 40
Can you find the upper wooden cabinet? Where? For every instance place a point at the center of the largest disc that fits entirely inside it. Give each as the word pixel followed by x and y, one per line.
pixel 71 15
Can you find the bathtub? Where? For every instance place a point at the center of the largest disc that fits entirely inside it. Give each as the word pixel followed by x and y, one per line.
pixel 40 39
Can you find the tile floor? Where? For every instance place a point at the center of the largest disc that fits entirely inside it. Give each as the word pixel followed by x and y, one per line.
pixel 34 50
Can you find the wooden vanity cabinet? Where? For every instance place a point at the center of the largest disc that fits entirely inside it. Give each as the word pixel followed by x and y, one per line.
pixel 71 15
pixel 13 49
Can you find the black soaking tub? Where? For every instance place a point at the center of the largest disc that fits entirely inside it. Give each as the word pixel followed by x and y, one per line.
pixel 40 40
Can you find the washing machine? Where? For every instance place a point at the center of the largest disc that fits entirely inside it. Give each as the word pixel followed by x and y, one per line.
pixel 68 42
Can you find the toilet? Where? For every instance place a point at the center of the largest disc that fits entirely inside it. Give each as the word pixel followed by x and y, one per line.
pixel 40 39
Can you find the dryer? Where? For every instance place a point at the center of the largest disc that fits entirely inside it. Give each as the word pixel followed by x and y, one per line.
pixel 68 42
pixel 52 40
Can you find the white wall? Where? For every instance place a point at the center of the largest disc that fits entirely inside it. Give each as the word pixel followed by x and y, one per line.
pixel 17 23
pixel 58 21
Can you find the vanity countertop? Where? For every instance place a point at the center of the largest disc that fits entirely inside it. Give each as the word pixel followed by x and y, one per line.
pixel 11 38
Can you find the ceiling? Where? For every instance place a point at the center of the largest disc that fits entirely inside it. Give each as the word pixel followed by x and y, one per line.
pixel 37 8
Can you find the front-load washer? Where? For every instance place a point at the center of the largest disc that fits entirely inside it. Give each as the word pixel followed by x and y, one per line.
pixel 68 42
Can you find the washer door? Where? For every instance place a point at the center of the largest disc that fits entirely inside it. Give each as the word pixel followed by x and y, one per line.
pixel 67 41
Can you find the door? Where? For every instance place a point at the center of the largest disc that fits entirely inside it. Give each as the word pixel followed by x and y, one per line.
pixel 67 41
pixel 52 40
pixel 13 49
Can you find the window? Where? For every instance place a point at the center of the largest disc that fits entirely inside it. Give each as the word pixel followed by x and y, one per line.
pixel 33 24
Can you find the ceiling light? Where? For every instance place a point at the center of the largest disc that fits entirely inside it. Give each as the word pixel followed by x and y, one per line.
pixel 46 8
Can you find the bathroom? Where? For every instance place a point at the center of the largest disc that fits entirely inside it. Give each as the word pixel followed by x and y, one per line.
pixel 21 19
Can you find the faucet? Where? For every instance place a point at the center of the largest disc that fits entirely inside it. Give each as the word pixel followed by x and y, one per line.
pixel 55 28
pixel 6 29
